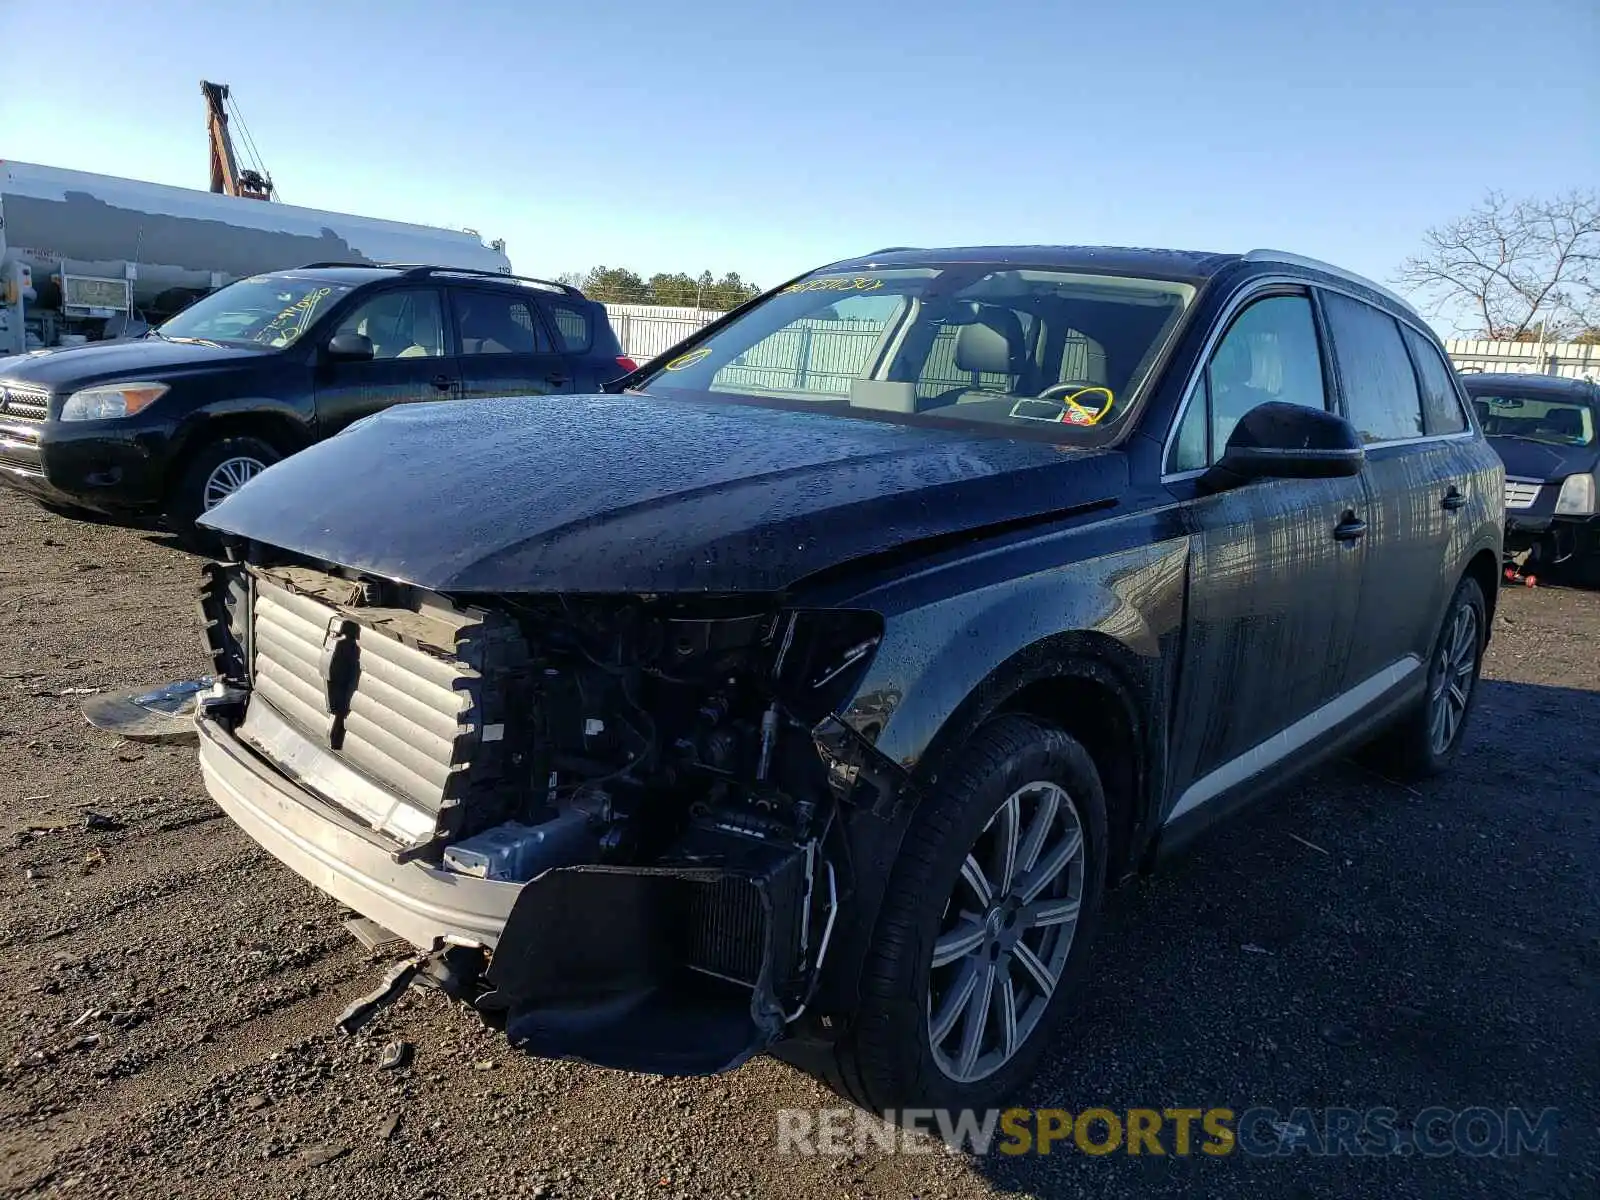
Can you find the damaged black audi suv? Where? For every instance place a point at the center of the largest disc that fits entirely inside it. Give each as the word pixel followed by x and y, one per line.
pixel 805 692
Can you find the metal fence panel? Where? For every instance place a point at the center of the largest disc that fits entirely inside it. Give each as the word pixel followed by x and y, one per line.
pixel 1570 360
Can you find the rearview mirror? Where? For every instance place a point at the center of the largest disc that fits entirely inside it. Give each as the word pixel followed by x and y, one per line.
pixel 350 347
pixel 1286 441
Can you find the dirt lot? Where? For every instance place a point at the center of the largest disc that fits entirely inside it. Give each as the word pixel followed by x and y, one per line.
pixel 167 992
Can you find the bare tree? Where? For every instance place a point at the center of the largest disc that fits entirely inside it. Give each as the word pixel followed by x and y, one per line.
pixel 1522 269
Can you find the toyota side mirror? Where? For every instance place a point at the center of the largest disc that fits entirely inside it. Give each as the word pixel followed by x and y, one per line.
pixel 350 347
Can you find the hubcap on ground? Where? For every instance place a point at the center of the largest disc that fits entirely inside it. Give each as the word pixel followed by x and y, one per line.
pixel 1456 665
pixel 1006 932
pixel 228 477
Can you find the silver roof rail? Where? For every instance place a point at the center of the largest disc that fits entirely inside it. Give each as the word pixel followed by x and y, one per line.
pixel 1316 264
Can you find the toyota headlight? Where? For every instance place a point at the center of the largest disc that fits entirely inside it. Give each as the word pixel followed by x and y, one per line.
pixel 110 400
pixel 1577 496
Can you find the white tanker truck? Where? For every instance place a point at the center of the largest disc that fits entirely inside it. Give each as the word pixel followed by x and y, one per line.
pixel 83 257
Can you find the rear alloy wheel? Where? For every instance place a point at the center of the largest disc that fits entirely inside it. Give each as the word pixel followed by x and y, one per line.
pixel 1425 738
pixel 1006 933
pixel 1451 681
pixel 985 927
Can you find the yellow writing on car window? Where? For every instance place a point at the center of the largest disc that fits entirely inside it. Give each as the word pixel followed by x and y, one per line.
pixel 296 317
pixel 834 283
pixel 689 359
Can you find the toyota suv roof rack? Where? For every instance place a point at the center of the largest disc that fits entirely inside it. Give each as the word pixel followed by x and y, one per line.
pixel 423 270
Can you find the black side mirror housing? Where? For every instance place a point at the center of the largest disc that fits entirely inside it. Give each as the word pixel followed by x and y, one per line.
pixel 1286 441
pixel 350 347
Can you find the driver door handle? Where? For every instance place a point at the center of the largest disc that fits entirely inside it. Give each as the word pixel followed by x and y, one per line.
pixel 443 382
pixel 1454 499
pixel 1350 528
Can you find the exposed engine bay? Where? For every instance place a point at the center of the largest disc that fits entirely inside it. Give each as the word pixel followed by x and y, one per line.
pixel 660 773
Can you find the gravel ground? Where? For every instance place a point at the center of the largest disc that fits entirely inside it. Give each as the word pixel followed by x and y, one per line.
pixel 167 992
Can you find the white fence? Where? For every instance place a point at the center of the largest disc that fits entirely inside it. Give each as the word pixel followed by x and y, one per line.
pixel 646 330
pixel 1571 360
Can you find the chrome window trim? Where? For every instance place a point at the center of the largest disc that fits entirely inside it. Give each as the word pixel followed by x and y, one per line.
pixel 1249 291
pixel 1289 259
pixel 1294 736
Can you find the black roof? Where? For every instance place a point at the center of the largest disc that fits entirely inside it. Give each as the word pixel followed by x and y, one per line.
pixel 1194 265
pixel 1553 386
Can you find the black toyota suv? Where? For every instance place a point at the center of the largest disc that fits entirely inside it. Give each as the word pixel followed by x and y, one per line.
pixel 1547 432
pixel 806 691
pixel 175 420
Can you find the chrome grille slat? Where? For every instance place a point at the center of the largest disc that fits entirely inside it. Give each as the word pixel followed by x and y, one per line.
pixel 1521 493
pixel 22 402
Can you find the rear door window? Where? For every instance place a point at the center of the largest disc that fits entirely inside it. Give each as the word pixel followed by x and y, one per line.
pixel 1441 407
pixel 497 323
pixel 1380 389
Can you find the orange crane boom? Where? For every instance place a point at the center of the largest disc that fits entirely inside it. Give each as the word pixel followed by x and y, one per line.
pixel 226 177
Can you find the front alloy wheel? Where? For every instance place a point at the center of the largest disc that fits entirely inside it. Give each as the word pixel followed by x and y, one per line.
pixel 985 927
pixel 1006 932
pixel 227 477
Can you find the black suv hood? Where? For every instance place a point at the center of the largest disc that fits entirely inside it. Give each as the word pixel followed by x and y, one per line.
pixel 626 493
pixel 68 368
pixel 1543 461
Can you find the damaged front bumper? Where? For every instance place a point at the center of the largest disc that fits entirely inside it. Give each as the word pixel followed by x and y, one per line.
pixel 684 966
pixel 346 859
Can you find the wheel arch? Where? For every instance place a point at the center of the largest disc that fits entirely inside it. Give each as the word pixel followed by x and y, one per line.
pixel 1484 569
pixel 280 428
pixel 1099 692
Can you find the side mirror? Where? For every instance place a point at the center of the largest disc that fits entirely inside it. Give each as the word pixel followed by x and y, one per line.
pixel 1287 441
pixel 350 347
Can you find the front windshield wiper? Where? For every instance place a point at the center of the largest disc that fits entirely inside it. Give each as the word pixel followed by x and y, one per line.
pixel 194 341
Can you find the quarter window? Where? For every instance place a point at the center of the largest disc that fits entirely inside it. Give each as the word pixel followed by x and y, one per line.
pixel 1379 387
pixel 1268 354
pixel 572 326
pixel 1441 407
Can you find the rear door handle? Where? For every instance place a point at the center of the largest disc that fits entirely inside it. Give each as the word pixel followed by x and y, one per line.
pixel 1453 499
pixel 1350 528
pixel 443 382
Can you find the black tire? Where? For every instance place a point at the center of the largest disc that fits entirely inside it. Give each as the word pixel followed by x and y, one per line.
pixel 886 1060
pixel 188 499
pixel 1409 749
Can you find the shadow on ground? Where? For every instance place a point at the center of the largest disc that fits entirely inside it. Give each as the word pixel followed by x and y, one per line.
pixel 1432 945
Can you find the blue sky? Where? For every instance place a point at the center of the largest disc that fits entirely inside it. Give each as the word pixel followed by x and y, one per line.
pixel 769 138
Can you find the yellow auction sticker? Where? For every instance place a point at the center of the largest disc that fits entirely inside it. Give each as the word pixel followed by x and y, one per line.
pixel 1075 413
